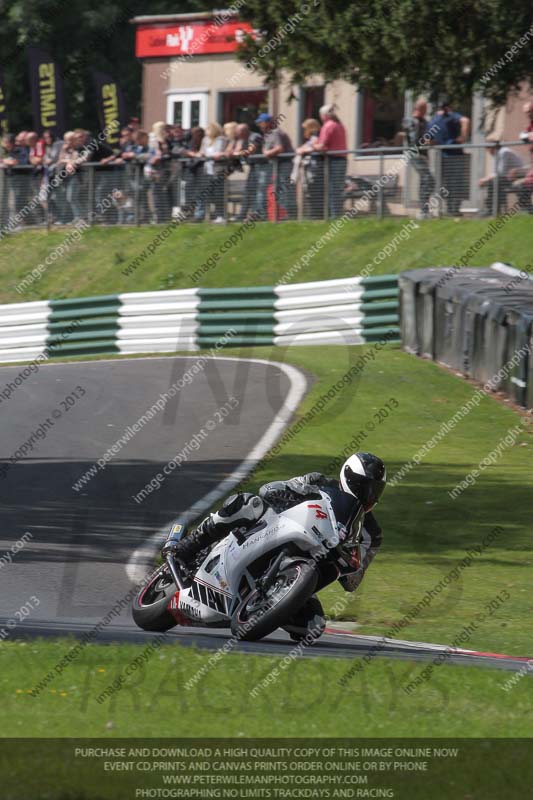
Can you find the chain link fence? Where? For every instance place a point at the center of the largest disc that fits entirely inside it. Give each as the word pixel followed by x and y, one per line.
pixel 468 180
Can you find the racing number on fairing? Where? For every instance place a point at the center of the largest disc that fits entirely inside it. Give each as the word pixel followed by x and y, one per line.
pixel 319 513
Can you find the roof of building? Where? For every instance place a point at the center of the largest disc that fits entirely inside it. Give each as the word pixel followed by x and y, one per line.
pixel 161 18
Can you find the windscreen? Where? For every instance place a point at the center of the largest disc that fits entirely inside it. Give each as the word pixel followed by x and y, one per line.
pixel 348 510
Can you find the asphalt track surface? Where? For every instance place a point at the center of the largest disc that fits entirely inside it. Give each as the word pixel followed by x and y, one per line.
pixel 79 561
pixel 84 540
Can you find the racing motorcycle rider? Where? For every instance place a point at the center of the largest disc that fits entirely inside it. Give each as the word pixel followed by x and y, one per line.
pixel 362 478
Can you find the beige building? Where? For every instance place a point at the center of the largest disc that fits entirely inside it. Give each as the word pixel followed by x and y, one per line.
pixel 191 76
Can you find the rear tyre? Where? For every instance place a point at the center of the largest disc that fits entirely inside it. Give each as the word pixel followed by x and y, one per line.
pixel 149 607
pixel 258 615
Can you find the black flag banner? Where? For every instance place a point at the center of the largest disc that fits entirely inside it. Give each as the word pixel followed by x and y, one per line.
pixel 4 123
pixel 47 92
pixel 111 106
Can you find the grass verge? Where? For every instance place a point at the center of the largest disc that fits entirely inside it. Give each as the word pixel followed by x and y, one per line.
pixel 305 700
pixel 94 265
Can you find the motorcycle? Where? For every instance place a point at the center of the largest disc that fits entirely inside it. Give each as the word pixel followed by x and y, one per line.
pixel 255 580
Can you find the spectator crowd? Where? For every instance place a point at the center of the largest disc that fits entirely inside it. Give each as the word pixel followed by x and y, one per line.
pixel 149 176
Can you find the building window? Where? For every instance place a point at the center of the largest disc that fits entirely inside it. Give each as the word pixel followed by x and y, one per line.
pixel 311 100
pixel 382 120
pixel 187 110
pixel 242 106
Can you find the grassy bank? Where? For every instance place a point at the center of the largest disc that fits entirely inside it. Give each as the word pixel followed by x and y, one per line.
pixel 94 265
pixel 306 699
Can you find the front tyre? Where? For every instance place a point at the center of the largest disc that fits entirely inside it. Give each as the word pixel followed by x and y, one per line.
pixel 260 614
pixel 149 606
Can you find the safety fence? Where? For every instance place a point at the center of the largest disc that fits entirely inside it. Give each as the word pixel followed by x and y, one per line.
pixel 345 311
pixel 478 321
pixel 434 181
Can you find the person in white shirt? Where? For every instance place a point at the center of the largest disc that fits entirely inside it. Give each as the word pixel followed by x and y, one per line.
pixel 505 162
pixel 212 148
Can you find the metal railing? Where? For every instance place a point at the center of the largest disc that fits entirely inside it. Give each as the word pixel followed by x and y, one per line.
pixel 425 181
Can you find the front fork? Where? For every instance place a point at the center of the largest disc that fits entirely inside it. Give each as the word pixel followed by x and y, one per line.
pixel 268 579
pixel 176 577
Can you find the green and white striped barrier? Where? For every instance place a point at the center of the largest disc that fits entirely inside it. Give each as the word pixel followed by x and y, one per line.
pixel 345 311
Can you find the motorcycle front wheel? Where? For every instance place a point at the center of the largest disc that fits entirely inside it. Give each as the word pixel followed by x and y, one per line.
pixel 261 613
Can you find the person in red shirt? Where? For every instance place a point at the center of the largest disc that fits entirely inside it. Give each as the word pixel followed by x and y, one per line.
pixel 332 142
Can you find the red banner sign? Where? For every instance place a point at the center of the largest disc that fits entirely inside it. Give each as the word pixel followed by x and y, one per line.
pixel 189 39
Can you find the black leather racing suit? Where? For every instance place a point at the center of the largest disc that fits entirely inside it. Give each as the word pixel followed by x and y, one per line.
pixel 284 494
pixel 244 511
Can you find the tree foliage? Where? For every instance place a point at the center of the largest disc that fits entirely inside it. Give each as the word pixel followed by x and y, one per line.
pixel 81 36
pixel 442 47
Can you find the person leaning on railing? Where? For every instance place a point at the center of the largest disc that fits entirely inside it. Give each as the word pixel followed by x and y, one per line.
pixel 308 170
pixel 211 188
pixel 277 143
pixel 506 163
pixel 448 127
pixel 69 164
pixel 249 147
pixel 416 133
pixel 138 184
pixel 52 149
pixel 185 148
pixel 522 178
pixel 36 151
pixel 13 157
pixel 159 171
pixel 332 140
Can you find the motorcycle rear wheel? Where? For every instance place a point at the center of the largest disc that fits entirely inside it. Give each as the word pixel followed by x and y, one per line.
pixel 258 615
pixel 149 606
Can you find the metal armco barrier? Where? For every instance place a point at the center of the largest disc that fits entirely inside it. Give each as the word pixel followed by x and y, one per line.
pixel 478 321
pixel 346 311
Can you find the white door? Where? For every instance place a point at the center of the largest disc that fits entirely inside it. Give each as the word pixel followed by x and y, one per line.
pixel 187 110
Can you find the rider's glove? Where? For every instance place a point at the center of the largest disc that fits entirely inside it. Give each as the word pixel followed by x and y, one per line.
pixel 305 484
